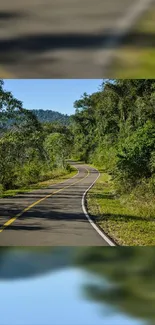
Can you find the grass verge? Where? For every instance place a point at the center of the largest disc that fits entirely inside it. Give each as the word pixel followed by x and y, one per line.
pixel 58 176
pixel 127 221
pixel 136 57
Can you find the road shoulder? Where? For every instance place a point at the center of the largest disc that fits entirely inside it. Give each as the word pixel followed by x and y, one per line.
pixel 127 222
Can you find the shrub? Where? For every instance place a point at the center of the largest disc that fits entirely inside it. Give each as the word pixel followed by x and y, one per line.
pixel 29 174
pixel 105 157
pixel 134 156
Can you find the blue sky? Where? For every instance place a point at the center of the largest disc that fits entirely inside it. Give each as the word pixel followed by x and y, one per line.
pixel 55 94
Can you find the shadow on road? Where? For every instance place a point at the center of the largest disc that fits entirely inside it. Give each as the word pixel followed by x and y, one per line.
pixel 35 219
pixel 6 16
pixel 44 42
pixel 25 227
pixel 45 213
pixel 39 55
pixel 44 35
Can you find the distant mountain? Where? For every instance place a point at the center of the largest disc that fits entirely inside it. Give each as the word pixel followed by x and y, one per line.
pixel 51 116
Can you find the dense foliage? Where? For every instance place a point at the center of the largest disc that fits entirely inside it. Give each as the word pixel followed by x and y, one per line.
pixel 29 151
pixel 114 128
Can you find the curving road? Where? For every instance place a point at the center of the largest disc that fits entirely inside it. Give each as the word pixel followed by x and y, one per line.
pixel 63 38
pixel 50 216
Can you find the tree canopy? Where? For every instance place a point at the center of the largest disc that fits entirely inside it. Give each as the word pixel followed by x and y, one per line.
pixel 24 152
pixel 120 118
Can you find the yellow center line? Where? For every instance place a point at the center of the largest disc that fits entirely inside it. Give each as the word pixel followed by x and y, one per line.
pixel 10 221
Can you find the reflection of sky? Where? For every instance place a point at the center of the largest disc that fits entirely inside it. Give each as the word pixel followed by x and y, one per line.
pixel 53 299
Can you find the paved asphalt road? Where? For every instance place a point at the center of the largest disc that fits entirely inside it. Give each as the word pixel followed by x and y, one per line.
pixel 59 38
pixel 56 220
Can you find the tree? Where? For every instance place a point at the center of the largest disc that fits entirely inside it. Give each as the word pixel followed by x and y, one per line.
pixel 114 128
pixel 58 148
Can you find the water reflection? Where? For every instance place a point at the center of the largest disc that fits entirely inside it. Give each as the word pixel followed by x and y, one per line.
pixel 77 285
pixel 16 263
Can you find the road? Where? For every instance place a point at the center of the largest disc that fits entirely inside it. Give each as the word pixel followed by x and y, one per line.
pixel 62 38
pixel 52 216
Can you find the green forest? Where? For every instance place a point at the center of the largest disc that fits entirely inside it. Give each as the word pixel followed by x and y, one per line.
pixel 30 151
pixel 112 129
pixel 51 116
pixel 115 129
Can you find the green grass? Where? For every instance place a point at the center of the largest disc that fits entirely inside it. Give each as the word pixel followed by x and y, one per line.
pixel 57 177
pixel 136 57
pixel 127 221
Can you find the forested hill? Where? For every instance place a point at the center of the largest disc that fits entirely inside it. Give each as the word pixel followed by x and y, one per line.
pixel 51 116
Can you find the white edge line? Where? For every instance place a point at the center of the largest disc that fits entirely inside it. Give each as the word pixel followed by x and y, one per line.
pixel 107 240
pixel 105 55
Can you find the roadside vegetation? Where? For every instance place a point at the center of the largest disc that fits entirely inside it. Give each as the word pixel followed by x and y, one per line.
pixel 31 152
pixel 114 131
pixel 127 220
pixel 57 176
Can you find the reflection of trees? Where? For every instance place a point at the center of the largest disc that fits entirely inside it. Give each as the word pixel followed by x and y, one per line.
pixel 131 275
pixel 18 263
pixel 3 252
pixel 129 271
